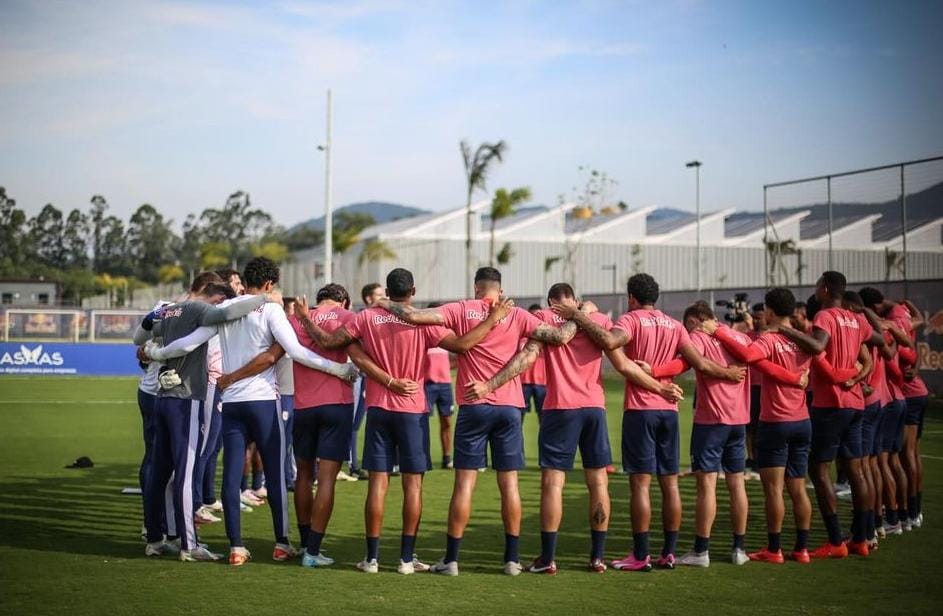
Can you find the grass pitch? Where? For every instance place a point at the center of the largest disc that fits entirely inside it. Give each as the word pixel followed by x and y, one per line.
pixel 70 542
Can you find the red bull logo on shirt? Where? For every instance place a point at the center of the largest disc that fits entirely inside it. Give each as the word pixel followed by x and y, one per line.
pixel 382 319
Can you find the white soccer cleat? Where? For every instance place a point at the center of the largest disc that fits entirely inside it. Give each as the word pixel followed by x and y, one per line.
pixel 204 516
pixel 284 552
pixel 318 560
pixel 369 566
pixel 161 548
pixel 405 568
pixel 239 556
pixel 342 476
pixel 248 498
pixel 261 493
pixel 198 554
pixel 420 566
pixel 695 559
pixel 444 568
pixel 215 507
pixel 739 557
pixel 512 568
pixel 245 508
pixel 917 522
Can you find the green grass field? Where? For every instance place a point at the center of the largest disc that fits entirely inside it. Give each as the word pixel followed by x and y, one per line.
pixel 70 542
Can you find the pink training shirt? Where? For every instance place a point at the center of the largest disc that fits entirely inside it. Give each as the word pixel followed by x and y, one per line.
pixel 720 401
pixel 438 369
pixel 877 380
pixel 778 401
pixel 847 331
pixel 654 338
pixel 491 354
pixel 400 349
pixel 313 387
pixel 915 387
pixel 536 374
pixel 574 370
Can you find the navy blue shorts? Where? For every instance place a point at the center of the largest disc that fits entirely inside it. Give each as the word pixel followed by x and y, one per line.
pixel 481 425
pixel 323 432
pixel 755 393
pixel 892 430
pixel 871 429
pixel 536 394
pixel 718 446
pixel 396 438
pixel 439 397
pixel 651 442
pixel 784 444
pixel 916 409
pixel 562 431
pixel 835 432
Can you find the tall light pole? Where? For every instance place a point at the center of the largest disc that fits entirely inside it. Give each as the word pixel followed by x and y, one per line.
pixel 697 208
pixel 328 211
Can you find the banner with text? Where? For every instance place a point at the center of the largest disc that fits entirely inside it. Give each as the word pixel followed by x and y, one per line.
pixel 52 358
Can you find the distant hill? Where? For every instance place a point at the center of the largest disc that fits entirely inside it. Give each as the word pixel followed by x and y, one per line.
pixel 379 210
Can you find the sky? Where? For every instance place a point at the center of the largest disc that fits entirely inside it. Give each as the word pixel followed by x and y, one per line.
pixel 179 104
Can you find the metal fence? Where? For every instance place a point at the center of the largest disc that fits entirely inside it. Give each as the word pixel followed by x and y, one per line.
pixel 902 198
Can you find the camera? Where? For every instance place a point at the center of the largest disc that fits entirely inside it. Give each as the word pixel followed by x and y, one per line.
pixel 736 308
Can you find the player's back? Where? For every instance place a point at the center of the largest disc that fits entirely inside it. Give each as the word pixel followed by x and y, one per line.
pixel 847 331
pixel 240 341
pixel 178 321
pixel 491 354
pixel 720 400
pixel 655 338
pixel 779 401
pixel 574 370
pixel 314 387
pixel 399 348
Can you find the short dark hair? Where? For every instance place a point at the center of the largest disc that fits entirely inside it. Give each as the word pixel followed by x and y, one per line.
pixel 368 290
pixel 488 274
pixel 559 291
pixel 259 271
pixel 871 297
pixel 700 310
pixel 226 274
pixel 850 298
pixel 335 292
pixel 835 282
pixel 204 278
pixel 399 282
pixel 781 301
pixel 643 288
pixel 534 307
pixel 812 306
pixel 219 288
pixel 758 307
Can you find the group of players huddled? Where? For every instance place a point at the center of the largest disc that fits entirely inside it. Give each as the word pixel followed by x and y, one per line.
pixel 239 367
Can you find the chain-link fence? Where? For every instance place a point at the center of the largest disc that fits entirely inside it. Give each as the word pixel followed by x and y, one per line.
pixel 882 223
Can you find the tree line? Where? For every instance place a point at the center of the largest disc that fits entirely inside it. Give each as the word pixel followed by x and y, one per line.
pixel 92 251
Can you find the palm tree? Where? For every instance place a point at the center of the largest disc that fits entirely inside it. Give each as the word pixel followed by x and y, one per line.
pixel 503 206
pixel 375 250
pixel 477 166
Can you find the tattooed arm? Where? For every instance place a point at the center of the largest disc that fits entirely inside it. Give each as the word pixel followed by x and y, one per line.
pixel 522 360
pixel 555 335
pixel 337 339
pixel 411 314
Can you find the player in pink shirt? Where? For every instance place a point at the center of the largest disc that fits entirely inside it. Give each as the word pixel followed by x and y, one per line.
pixel 650 436
pixel 439 395
pixel 837 411
pixel 534 379
pixel 916 396
pixel 722 411
pixel 784 431
pixel 574 417
pixel 493 420
pixel 397 421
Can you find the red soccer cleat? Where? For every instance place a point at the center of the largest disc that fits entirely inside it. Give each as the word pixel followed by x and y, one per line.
pixel 765 556
pixel 831 551
pixel 802 556
pixel 860 548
